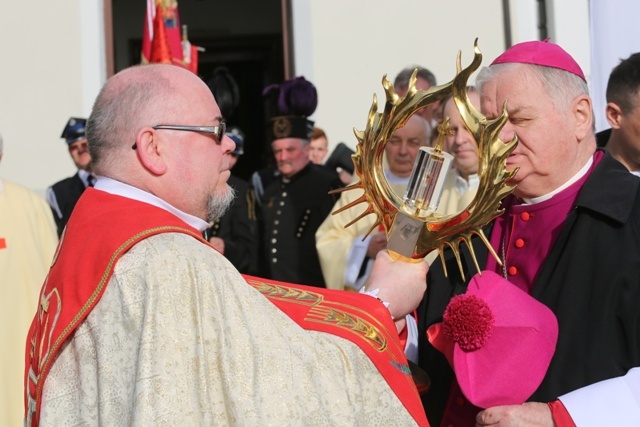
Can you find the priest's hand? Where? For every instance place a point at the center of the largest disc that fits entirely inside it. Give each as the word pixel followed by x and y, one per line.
pixel 400 284
pixel 530 414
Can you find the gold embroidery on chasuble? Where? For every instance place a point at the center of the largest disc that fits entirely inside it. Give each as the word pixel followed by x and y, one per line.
pixel 326 312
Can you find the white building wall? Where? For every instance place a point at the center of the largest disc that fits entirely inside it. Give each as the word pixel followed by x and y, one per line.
pixel 569 27
pixel 524 20
pixel 94 67
pixel 50 72
pixel 54 61
pixel 350 45
pixel 345 47
pixel 615 34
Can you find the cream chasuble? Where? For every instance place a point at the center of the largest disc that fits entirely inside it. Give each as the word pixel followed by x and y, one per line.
pixel 457 193
pixel 148 358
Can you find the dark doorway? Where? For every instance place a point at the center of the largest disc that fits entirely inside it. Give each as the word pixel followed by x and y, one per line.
pixel 254 62
pixel 245 36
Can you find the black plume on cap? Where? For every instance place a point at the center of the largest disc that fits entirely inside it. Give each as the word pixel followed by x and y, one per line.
pixel 297 99
pixel 225 91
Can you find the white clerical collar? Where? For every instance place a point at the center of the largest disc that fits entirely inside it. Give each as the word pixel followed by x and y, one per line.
pixel 464 185
pixel 395 179
pixel 582 172
pixel 84 176
pixel 112 186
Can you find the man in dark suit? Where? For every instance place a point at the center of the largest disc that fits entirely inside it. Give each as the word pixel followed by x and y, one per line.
pixel 63 195
pixel 622 140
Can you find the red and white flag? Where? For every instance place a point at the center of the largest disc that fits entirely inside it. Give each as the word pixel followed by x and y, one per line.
pixel 162 41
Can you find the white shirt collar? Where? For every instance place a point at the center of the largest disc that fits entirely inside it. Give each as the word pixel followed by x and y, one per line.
pixel 464 185
pixel 84 176
pixel 112 186
pixel 394 179
pixel 582 172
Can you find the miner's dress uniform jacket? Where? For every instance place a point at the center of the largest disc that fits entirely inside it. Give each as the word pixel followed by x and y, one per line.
pixel 291 212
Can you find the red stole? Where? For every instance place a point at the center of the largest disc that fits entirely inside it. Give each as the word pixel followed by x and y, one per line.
pixel 105 226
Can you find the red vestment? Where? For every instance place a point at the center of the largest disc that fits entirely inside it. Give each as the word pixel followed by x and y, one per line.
pixel 105 226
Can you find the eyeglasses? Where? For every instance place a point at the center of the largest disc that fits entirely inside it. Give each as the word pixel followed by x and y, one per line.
pixel 218 131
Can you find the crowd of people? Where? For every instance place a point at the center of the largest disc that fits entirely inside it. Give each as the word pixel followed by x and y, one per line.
pixel 205 299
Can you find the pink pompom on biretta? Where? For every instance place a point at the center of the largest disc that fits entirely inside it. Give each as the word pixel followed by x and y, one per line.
pixel 541 53
pixel 498 339
pixel 468 321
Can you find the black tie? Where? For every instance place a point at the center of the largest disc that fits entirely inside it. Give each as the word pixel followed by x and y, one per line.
pixel 91 180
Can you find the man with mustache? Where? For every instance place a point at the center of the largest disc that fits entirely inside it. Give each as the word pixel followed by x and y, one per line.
pixel 295 202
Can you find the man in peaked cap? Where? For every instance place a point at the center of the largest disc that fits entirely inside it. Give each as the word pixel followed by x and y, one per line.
pixel 63 195
pixel 568 237
pixel 234 234
pixel 294 203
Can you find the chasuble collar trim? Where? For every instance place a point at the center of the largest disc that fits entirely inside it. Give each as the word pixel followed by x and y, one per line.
pixel 118 188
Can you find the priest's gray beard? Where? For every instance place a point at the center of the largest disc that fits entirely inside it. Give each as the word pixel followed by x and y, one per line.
pixel 219 203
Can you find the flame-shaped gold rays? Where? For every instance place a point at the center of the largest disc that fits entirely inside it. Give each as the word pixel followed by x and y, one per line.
pixel 382 201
